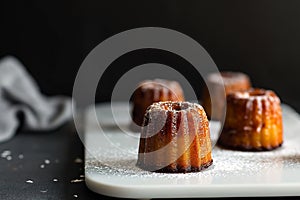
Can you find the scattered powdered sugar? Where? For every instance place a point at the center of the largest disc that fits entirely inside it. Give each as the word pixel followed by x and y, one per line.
pixel 29 181
pixel 77 180
pixel 229 166
pixel 78 160
pixel 5 153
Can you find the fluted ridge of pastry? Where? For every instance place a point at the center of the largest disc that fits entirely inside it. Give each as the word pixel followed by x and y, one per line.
pixel 258 124
pixel 181 144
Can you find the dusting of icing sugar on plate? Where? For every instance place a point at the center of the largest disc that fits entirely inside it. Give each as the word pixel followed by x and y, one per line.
pixel 239 173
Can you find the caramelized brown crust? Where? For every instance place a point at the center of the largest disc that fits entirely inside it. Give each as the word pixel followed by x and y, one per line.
pixel 185 170
pixel 233 81
pixel 175 138
pixel 150 91
pixel 253 121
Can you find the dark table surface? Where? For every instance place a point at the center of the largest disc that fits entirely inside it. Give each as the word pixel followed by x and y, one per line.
pixel 29 154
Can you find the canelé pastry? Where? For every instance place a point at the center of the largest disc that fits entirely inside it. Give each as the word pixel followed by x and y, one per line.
pixel 233 81
pixel 253 121
pixel 150 91
pixel 175 138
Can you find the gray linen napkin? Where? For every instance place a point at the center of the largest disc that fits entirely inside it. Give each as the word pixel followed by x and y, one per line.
pixel 19 93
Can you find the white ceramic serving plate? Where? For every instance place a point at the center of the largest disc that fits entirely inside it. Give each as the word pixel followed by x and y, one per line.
pixel 111 155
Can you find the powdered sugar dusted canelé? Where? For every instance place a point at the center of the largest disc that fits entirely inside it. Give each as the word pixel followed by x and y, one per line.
pixel 221 84
pixel 253 121
pixel 175 138
pixel 150 91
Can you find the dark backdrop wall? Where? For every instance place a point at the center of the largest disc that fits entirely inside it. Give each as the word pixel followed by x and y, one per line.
pixel 258 37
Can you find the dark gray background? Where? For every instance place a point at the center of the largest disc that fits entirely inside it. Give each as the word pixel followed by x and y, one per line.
pixel 258 37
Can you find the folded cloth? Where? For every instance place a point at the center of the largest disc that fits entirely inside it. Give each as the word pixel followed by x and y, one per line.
pixel 19 93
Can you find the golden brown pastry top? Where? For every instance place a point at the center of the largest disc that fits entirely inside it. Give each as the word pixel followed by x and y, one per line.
pixel 252 94
pixel 252 108
pixel 177 119
pixel 232 81
pixel 161 90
